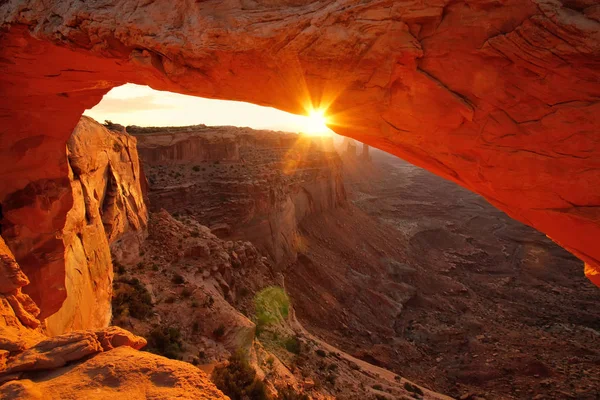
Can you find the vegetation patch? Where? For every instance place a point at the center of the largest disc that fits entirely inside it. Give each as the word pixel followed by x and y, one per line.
pixel 321 353
pixel 131 298
pixel 292 344
pixel 272 306
pixel 238 380
pixel 219 332
pixel 165 341
pixel 413 388
pixel 178 279
pixel 289 393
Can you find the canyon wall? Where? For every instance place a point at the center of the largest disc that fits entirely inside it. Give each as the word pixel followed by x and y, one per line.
pixel 183 145
pixel 243 183
pixel 500 97
pixel 97 207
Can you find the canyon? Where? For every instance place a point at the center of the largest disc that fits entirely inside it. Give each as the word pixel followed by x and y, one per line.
pixel 187 293
pixel 498 97
pixel 255 185
pixel 406 271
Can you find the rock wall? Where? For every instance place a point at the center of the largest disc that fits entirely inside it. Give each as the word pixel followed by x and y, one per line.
pixel 500 97
pixel 62 231
pixel 19 326
pixel 258 192
pixel 184 145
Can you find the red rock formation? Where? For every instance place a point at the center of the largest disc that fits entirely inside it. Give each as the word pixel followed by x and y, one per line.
pixel 243 183
pixel 122 373
pixel 103 364
pixel 60 230
pixel 500 97
pixel 19 326
pixel 33 366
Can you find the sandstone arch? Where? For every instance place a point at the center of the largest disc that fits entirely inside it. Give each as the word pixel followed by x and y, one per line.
pixel 502 97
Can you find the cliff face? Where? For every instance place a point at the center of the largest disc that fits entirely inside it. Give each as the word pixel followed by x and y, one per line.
pixel 255 185
pixel 96 208
pixel 184 146
pixel 34 366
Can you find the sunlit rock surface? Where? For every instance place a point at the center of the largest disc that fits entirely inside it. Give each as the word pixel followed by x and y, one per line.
pixel 500 97
pixel 119 373
pixel 19 326
pixel 103 364
pixel 61 231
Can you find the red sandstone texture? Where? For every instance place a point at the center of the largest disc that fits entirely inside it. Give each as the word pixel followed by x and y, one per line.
pixel 500 97
pixel 62 231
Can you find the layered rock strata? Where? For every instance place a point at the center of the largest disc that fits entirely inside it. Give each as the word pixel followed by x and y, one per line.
pixel 244 184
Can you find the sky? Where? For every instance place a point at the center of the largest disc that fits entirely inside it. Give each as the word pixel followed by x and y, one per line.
pixel 140 105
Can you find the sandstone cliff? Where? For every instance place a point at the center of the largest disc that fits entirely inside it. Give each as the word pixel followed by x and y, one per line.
pixel 245 184
pixel 34 366
pixel 500 97
pixel 62 231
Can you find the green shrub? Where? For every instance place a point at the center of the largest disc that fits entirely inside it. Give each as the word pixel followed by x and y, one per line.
pixel 196 168
pixel 209 301
pixel 288 393
pixel 238 380
pixel 292 344
pixel 131 298
pixel 119 268
pixel 186 292
pixel 331 378
pixel 413 388
pixel 219 332
pixel 272 305
pixel 177 279
pixel 321 353
pixel 165 341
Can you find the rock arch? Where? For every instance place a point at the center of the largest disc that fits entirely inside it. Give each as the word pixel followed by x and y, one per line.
pixel 501 97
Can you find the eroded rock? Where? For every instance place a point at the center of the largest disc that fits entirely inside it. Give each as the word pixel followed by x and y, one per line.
pixel 119 373
pixel 55 352
pixel 69 255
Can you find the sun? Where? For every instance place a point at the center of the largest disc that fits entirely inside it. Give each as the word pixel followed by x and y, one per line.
pixel 315 124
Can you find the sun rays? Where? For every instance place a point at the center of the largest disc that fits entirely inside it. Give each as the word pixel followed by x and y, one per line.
pixel 315 124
